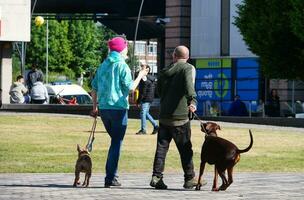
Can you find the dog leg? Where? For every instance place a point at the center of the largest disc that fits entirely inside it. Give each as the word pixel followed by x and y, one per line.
pixel 77 176
pixel 199 184
pixel 85 180
pixel 230 177
pixel 224 180
pixel 214 186
pixel 88 179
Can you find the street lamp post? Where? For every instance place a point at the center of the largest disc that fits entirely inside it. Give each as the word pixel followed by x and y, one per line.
pixel 135 36
pixel 47 53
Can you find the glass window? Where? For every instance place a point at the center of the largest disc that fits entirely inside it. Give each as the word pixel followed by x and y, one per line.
pixel 140 48
pixel 152 49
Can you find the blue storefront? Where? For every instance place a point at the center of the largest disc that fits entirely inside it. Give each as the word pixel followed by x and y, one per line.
pixel 219 80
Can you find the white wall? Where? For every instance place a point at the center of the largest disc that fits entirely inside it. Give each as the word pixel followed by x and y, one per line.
pixel 238 48
pixel 205 28
pixel 15 16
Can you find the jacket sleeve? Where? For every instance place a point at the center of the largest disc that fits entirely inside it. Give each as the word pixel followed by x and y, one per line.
pixel 23 89
pixel 189 85
pixel 94 82
pixel 40 74
pixel 159 84
pixel 126 78
pixel 140 91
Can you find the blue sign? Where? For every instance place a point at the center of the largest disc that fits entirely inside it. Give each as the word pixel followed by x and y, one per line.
pixel 213 95
pixel 247 84
pixel 247 63
pixel 213 84
pixel 248 73
pixel 212 73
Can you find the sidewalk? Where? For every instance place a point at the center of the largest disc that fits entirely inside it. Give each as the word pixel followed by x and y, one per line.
pixel 136 186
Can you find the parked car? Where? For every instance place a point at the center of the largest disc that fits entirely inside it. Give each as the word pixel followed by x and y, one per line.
pixel 67 93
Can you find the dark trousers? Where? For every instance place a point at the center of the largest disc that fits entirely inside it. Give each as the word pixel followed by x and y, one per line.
pixel 35 101
pixel 181 136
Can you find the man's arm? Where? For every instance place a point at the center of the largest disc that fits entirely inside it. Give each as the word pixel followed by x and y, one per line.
pixel 190 91
pixel 24 90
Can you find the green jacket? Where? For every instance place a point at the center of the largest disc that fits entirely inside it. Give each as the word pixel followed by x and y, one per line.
pixel 176 90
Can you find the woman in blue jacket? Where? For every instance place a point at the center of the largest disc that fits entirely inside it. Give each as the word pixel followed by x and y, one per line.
pixel 111 86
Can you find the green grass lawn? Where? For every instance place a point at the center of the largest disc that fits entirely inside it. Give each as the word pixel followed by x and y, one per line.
pixel 47 143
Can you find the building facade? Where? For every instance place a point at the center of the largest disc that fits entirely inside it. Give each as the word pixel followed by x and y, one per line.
pixel 225 65
pixel 146 52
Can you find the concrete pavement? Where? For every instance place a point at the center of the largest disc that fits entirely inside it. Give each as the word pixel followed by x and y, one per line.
pixel 136 186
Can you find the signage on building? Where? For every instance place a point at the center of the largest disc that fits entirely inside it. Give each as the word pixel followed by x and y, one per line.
pixel 213 79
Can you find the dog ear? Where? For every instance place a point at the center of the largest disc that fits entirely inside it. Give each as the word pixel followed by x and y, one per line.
pixel 203 127
pixel 218 127
pixel 209 125
pixel 78 148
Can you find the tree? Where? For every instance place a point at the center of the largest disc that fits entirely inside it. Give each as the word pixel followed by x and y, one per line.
pixel 270 32
pixel 74 46
pixel 60 54
pixel 35 50
pixel 60 47
pixel 86 45
pixel 297 18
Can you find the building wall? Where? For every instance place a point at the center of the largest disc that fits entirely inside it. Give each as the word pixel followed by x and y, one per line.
pixel 205 28
pixel 178 29
pixel 209 34
pixel 147 54
pixel 15 20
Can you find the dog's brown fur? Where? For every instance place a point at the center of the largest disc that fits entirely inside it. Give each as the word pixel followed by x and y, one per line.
pixel 220 152
pixel 83 164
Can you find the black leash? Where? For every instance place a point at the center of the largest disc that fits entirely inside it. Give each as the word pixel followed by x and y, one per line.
pixel 201 121
pixel 92 136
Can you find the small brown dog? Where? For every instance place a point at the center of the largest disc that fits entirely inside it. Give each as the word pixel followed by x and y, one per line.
pixel 83 164
pixel 221 153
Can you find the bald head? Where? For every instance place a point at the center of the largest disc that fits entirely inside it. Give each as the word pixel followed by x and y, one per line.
pixel 181 52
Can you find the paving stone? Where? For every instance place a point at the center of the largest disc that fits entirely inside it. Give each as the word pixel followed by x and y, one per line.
pixel 136 186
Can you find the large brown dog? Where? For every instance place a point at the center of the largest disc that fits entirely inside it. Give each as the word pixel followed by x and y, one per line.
pixel 221 153
pixel 83 164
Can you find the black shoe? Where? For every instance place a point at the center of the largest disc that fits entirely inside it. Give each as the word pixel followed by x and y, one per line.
pixel 158 183
pixel 141 132
pixel 114 183
pixel 193 183
pixel 155 130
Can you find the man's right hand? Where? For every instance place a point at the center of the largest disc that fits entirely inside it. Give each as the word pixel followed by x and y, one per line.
pixel 192 108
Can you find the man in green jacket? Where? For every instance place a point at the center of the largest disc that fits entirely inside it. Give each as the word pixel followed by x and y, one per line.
pixel 177 98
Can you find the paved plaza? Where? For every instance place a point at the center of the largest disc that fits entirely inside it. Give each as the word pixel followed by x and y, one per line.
pixel 136 186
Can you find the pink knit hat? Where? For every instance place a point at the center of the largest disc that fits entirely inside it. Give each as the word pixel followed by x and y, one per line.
pixel 117 44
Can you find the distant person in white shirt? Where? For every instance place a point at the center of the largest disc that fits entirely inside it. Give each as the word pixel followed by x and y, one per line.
pixel 39 92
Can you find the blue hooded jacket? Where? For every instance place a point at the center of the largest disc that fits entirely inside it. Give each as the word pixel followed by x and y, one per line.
pixel 112 82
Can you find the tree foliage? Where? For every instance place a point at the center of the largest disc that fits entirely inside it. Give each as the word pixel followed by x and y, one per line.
pixel 273 30
pixel 86 43
pixel 60 54
pixel 74 46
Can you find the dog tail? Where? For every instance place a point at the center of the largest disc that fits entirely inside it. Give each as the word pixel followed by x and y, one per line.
pixel 250 145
